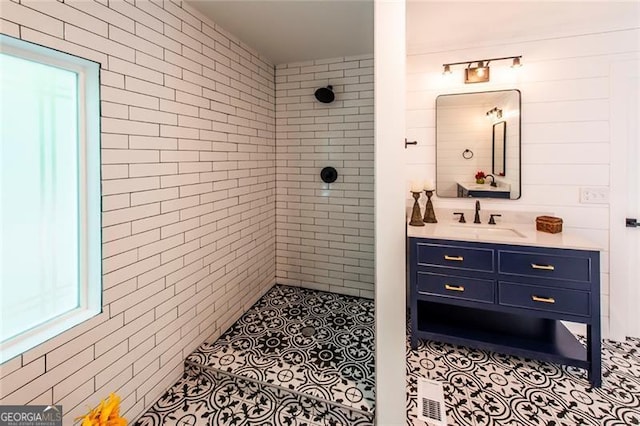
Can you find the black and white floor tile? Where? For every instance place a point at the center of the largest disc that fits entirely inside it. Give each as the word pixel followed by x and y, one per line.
pixel 206 397
pixel 264 371
pixel 267 344
pixel 487 388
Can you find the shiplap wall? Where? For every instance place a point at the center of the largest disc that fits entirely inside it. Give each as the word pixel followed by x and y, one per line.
pixel 565 123
pixel 188 160
pixel 325 231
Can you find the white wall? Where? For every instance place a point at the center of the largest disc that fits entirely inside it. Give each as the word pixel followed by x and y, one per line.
pixel 188 183
pixel 566 142
pixel 390 227
pixel 325 231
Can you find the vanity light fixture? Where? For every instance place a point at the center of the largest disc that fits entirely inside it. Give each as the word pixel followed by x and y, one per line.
pixel 477 74
pixel 477 71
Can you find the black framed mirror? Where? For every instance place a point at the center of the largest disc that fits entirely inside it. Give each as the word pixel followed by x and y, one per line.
pixel 478 145
pixel 499 151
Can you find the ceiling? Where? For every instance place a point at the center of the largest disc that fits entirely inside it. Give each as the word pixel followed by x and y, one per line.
pixel 288 31
pixel 435 26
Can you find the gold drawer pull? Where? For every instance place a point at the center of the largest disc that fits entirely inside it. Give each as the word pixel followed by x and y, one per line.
pixel 543 267
pixel 543 299
pixel 453 287
pixel 456 258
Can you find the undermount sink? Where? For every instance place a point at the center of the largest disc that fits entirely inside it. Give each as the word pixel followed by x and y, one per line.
pixel 473 231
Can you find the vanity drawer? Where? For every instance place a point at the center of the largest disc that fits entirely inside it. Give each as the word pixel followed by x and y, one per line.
pixel 542 265
pixel 456 287
pixel 476 259
pixel 549 299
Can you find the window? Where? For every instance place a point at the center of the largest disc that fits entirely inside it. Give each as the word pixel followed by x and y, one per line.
pixel 50 270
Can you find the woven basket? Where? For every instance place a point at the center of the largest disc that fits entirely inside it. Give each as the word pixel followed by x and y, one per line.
pixel 549 224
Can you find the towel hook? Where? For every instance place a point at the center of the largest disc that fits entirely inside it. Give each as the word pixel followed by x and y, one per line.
pixel 408 142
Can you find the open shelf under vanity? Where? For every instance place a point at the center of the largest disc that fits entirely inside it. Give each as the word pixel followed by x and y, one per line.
pixel 540 338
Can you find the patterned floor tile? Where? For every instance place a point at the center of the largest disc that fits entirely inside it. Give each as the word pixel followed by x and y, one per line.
pixel 486 388
pixel 205 397
pixel 267 366
pixel 269 344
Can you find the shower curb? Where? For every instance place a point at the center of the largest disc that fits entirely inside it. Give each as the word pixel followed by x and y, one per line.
pixel 369 414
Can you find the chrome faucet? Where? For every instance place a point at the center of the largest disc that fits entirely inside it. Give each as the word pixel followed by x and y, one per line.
pixel 476 218
pixel 493 180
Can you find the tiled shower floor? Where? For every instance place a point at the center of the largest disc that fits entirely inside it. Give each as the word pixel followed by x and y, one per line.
pixel 327 377
pixel 207 397
pixel 267 344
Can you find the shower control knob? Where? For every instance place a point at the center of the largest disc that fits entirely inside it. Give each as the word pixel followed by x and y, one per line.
pixel 329 175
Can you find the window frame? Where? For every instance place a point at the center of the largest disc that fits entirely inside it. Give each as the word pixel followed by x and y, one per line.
pixel 89 197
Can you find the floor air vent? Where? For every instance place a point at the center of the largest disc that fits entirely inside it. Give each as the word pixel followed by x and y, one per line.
pixel 431 408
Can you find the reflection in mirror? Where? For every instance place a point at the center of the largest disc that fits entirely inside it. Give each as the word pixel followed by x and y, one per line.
pixel 478 134
pixel 499 141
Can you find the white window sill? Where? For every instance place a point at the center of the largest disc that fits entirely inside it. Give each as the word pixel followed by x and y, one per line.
pixel 28 340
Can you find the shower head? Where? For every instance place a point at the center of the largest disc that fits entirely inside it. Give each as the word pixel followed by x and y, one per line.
pixel 325 94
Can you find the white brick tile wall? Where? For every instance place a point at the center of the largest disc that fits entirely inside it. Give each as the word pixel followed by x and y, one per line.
pixel 154 8
pixel 9 28
pixel 103 13
pixel 31 18
pixel 69 15
pixel 63 45
pixel 325 231
pixel 188 169
pixel 137 14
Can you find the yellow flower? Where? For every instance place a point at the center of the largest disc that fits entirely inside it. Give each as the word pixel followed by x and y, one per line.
pixel 107 413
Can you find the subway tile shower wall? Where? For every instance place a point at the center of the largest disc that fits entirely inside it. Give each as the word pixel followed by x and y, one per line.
pixel 325 231
pixel 188 180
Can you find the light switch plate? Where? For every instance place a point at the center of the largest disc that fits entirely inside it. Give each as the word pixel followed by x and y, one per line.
pixel 594 195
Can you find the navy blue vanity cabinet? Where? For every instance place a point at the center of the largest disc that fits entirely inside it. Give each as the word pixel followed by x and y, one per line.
pixel 507 298
pixel 479 193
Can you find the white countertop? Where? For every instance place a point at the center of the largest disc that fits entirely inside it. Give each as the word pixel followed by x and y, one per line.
pixel 472 186
pixel 524 235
